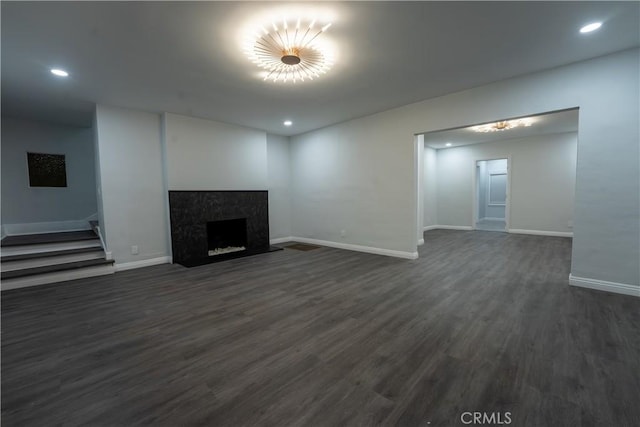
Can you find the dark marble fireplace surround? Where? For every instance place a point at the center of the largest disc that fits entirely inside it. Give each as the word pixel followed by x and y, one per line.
pixel 191 211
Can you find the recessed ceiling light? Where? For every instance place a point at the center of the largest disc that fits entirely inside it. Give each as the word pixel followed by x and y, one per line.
pixel 287 123
pixel 58 72
pixel 448 144
pixel 591 27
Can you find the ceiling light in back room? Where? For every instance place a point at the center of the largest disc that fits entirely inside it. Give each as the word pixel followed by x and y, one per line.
pixel 503 125
pixel 448 144
pixel 287 123
pixel 290 50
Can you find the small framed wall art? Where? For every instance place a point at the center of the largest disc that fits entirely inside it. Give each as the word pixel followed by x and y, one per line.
pixel 47 170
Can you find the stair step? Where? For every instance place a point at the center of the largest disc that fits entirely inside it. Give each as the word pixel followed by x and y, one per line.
pixel 53 253
pixel 43 248
pixel 21 262
pixel 56 277
pixel 54 268
pixel 35 239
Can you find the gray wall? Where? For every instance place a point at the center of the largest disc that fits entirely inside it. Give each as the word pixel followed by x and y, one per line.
pixel 543 170
pixel 132 184
pixel 208 155
pixel 96 150
pixel 143 155
pixel 279 186
pixel 481 176
pixel 22 204
pixel 430 188
pixel 359 175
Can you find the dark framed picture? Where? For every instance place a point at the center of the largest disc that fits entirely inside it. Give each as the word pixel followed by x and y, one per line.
pixel 47 170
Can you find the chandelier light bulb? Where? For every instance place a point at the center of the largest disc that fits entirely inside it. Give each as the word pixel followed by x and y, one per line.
pixel 291 52
pixel 503 125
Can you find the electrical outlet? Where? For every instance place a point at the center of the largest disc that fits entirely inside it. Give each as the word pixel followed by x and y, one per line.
pixel 134 250
pixel 343 233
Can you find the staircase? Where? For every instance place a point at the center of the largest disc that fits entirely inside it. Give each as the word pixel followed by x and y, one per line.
pixel 37 259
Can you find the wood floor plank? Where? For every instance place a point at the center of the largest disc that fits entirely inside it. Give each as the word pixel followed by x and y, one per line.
pixel 483 321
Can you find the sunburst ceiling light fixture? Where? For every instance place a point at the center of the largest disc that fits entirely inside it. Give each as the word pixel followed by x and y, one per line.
pixel 503 125
pixel 290 51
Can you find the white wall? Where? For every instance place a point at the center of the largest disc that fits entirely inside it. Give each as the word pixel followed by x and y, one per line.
pixel 419 187
pixel 359 175
pixel 98 181
pixel 279 186
pixel 132 184
pixel 542 172
pixel 206 155
pixel 142 155
pixel 23 204
pixel 481 177
pixel 430 188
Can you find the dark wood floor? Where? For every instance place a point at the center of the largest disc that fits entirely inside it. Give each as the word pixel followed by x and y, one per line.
pixel 481 322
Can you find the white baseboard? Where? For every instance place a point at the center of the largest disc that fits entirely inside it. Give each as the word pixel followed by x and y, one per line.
pixel 541 233
pixel 357 248
pixel 490 218
pixel 602 285
pixel 281 240
pixel 454 227
pixel 511 230
pixel 46 227
pixel 142 263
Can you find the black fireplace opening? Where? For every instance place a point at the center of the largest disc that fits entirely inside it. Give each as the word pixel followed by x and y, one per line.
pixel 226 236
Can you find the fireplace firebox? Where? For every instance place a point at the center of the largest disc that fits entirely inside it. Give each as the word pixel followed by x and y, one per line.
pixel 226 236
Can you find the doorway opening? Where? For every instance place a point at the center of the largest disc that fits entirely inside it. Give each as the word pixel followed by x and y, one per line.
pixel 533 197
pixel 490 201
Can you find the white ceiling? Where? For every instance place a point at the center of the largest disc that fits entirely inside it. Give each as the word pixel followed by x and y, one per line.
pixel 186 57
pixel 543 124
